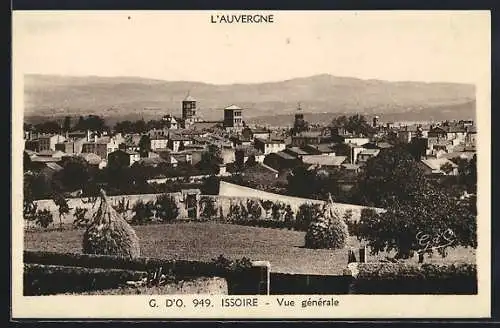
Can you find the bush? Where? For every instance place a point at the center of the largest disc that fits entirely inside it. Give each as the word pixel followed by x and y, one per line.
pixel 81 220
pixel 42 279
pixel 208 207
pixel 307 212
pixel 327 231
pixel 143 212
pixel 166 208
pixel 278 211
pixel 403 278
pixel 289 217
pixel 238 212
pixel 43 218
pixel 254 209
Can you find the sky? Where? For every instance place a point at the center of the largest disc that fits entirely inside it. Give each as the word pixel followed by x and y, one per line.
pixel 394 46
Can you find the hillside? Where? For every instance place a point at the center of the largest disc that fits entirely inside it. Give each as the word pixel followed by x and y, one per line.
pixel 131 97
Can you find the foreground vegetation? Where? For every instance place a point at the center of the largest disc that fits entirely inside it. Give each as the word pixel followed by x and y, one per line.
pixel 205 241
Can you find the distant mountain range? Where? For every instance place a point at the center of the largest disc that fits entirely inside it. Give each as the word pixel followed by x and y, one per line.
pixel 118 98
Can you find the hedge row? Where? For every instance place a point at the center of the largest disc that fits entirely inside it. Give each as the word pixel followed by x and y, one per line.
pixel 42 279
pixel 177 267
pixel 397 278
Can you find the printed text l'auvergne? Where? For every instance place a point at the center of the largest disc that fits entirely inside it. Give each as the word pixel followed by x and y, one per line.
pixel 242 19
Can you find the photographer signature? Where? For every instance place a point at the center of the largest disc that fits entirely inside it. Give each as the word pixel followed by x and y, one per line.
pixel 441 240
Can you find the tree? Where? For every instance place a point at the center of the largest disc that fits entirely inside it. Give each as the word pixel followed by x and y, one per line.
pixel 392 175
pixel 27 164
pixel 143 212
pixel 62 207
pixel 67 124
pixel 355 124
pixel 210 159
pixel 431 221
pixel 144 145
pixel 166 208
pixel 447 168
pixel 74 175
pixel 48 127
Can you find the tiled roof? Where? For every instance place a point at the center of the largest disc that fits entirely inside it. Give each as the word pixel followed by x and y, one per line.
pixel 297 151
pixel 233 107
pixel 436 163
pixel 324 160
pixel 370 152
pixel 284 155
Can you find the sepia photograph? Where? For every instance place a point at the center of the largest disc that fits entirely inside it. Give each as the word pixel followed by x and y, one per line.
pixel 251 154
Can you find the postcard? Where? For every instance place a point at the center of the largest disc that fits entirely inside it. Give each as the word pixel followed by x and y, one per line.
pixel 251 164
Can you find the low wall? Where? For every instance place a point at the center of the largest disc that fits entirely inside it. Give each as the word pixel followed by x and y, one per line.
pixel 228 194
pixel 81 271
pixel 234 191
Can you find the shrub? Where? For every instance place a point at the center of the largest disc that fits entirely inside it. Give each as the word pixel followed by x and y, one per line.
pixel 254 209
pixel 278 211
pixel 143 212
pixel 289 217
pixel 238 212
pixel 166 208
pixel 208 206
pixel 307 212
pixel 81 220
pixel 62 207
pixel 50 279
pixel 43 218
pixel 122 206
pixel 327 230
pixel 404 278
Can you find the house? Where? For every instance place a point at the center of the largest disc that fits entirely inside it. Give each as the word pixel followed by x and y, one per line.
pixel 281 161
pixel 93 160
pixel 233 118
pixel 438 166
pixel 152 161
pixel 158 142
pixel 158 132
pixel 351 168
pixel 320 149
pixel 170 122
pixel 242 154
pixel 48 142
pixel 471 135
pixel 309 137
pixel 324 161
pixel 354 140
pixel 181 157
pixel 123 158
pixel 268 146
pixel 350 150
pixel 366 154
pixel 228 155
pixel 101 146
pixel 177 142
pixel 260 133
pixel 297 152
pixel 241 140
pixel 71 146
pixel 449 131
pixel 50 169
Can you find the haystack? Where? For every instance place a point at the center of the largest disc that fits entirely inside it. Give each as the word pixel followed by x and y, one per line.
pixel 328 230
pixel 110 234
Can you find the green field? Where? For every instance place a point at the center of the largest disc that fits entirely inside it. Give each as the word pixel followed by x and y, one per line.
pixel 205 241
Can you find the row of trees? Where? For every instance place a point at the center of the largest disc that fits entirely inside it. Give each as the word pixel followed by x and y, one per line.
pixel 356 124
pixel 90 122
